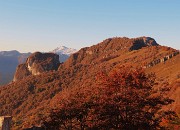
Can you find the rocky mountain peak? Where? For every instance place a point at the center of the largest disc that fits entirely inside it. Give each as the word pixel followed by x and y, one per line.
pixel 36 64
pixel 64 50
pixel 149 41
pixel 32 94
pixel 143 42
pixel 108 49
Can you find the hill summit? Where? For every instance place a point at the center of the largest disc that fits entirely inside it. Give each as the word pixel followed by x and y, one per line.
pixel 42 78
pixel 36 64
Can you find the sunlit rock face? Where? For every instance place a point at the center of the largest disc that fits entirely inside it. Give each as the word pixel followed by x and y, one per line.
pixel 36 64
pixel 21 72
pixel 5 122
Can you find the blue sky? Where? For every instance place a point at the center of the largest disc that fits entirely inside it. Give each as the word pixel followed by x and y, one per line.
pixel 42 25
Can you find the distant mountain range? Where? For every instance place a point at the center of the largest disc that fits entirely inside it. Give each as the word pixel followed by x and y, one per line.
pixel 9 60
pixel 64 50
pixel 29 99
pixel 8 63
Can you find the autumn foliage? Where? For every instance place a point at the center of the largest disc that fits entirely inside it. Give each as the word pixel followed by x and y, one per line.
pixel 27 100
pixel 123 99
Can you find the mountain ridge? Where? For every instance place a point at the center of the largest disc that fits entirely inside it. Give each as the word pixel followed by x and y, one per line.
pixel 8 63
pixel 11 59
pixel 27 99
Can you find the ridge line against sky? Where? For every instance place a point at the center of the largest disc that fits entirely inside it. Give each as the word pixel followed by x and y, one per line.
pixel 43 25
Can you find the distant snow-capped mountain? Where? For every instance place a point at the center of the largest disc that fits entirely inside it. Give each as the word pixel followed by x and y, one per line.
pixel 64 52
pixel 9 60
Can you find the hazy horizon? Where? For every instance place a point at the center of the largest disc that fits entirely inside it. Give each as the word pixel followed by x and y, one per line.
pixel 43 25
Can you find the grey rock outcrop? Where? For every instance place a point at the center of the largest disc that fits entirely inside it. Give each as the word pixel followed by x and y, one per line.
pixel 162 60
pixel 143 42
pixel 36 64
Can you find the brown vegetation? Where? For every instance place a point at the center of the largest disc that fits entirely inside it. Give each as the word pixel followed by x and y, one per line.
pixel 124 99
pixel 28 100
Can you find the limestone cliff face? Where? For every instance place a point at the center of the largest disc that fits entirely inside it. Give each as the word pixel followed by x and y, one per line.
pixel 143 42
pixel 21 72
pixel 149 41
pixel 36 64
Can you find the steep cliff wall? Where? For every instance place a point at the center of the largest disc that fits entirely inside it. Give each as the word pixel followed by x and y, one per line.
pixel 36 64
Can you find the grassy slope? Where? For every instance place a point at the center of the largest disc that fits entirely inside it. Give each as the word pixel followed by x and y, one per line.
pixel 170 71
pixel 27 100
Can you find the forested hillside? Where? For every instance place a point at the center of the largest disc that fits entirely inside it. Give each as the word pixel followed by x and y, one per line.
pixel 28 100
